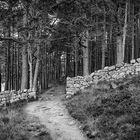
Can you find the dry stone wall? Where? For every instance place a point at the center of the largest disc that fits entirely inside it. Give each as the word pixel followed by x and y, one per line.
pixel 112 73
pixel 14 96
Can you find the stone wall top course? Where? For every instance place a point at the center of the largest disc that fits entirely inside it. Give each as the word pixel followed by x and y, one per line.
pixel 112 73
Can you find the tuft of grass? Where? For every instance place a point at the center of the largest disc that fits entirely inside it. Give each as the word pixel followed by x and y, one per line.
pixel 13 126
pixel 112 114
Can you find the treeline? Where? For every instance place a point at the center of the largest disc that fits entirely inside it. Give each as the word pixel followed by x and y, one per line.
pixel 42 41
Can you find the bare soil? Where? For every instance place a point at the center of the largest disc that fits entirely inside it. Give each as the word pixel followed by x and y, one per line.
pixel 52 113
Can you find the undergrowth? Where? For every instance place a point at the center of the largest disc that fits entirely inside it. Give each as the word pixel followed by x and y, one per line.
pixel 13 124
pixel 111 115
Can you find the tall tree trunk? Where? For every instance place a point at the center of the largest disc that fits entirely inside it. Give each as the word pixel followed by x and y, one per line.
pixel 15 54
pixel 7 83
pixel 133 28
pixel 24 79
pixel 119 50
pixel 36 70
pixel 46 66
pixel 104 43
pixel 104 46
pixel 68 67
pixel 30 62
pixel 12 68
pixel 125 30
pixel 85 55
pixel 36 75
pixel 0 79
pixel 137 38
pixel 17 66
pixel 76 57
pixel 40 77
pixel 110 45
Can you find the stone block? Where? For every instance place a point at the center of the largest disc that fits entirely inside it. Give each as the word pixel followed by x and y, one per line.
pixel 111 68
pixel 138 60
pixel 137 69
pixel 76 85
pixel 136 64
pixel 106 68
pixel 119 65
pixel 126 65
pixel 92 74
pixel 133 61
pixel 113 85
pixel 124 69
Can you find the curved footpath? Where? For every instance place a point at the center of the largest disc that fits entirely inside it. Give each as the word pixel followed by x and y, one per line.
pixel 52 113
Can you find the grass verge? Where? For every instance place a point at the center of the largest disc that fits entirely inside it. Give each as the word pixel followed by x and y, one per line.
pixel 108 115
pixel 14 125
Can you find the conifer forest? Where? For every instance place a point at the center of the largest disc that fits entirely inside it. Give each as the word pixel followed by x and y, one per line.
pixel 65 48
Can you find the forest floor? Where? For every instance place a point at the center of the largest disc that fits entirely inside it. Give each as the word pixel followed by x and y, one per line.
pixel 52 113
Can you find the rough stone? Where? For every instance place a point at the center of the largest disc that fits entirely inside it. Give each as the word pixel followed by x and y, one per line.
pixel 137 69
pixel 71 122
pixel 111 68
pixel 14 96
pixel 138 60
pixel 119 65
pixel 133 61
pixel 113 85
pixel 106 68
pixel 109 74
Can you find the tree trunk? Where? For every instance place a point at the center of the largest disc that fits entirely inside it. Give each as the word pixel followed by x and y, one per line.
pixel 36 75
pixel 7 83
pixel 68 67
pixel 76 57
pixel 7 67
pixel 0 79
pixel 119 50
pixel 125 30
pixel 85 55
pixel 36 70
pixel 30 66
pixel 104 43
pixel 12 68
pixel 104 46
pixel 24 79
pixel 17 66
pixel 133 28
pixel 110 45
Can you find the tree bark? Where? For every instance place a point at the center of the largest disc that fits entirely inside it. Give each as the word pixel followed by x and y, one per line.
pixel 85 55
pixel 68 67
pixel 0 78
pixel 7 83
pixel 17 66
pixel 125 30
pixel 24 79
pixel 76 57
pixel 119 50
pixel 104 46
pixel 36 70
pixel 133 28
pixel 30 62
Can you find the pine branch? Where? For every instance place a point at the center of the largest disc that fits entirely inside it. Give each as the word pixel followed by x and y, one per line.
pixel 13 39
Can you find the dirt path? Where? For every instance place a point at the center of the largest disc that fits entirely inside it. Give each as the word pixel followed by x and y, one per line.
pixel 53 114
